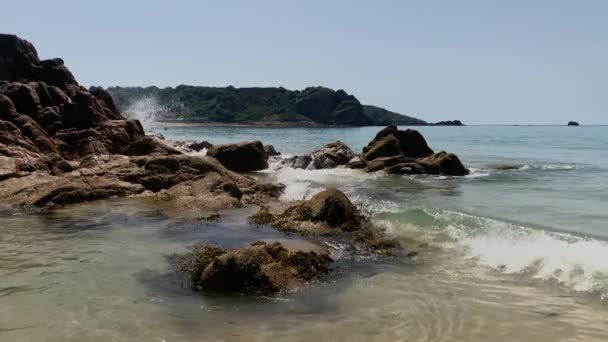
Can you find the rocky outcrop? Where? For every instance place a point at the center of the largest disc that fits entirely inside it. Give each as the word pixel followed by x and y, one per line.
pixel 405 152
pixel 61 143
pixel 326 157
pixel 241 157
pixel 264 268
pixel 448 123
pixel 328 212
pixel 573 123
pixel 271 151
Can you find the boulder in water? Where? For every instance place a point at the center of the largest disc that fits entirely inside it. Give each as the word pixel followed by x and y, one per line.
pixel 327 157
pixel 406 152
pixel 573 123
pixel 241 157
pixel 264 268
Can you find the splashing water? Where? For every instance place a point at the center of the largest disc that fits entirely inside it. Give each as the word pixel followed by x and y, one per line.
pixel 147 110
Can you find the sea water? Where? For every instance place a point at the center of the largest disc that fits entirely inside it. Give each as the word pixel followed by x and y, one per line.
pixel 515 254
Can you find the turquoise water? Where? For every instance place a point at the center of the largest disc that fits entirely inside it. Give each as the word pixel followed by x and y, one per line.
pixel 504 255
pixel 562 183
pixel 549 214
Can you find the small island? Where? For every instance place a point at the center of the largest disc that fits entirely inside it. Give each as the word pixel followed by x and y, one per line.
pixel 573 123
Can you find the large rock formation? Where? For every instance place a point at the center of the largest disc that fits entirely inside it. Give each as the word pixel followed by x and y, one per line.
pixel 327 157
pixel 61 143
pixel 406 152
pixel 241 157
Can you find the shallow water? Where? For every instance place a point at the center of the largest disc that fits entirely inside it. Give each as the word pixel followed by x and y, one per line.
pixel 513 255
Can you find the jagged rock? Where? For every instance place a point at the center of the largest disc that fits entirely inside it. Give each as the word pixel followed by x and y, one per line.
pixel 271 151
pixel 326 212
pixel 59 143
pixel 241 157
pixel 406 152
pixel 20 62
pixel 448 123
pixel 326 157
pixel 355 163
pixel 147 145
pixel 390 142
pixel 264 268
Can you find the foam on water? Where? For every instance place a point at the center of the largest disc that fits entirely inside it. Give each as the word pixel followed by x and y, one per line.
pixel 576 262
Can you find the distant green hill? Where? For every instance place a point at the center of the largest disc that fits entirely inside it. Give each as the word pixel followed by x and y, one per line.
pixel 314 105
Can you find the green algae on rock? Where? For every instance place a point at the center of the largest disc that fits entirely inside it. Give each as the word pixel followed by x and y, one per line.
pixel 264 268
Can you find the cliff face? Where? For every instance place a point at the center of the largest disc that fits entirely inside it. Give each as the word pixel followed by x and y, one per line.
pixel 314 105
pixel 47 119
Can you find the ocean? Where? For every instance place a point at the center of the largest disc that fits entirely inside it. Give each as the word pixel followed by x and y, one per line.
pixel 515 251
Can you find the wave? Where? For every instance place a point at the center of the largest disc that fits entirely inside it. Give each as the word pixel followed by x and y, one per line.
pixel 574 261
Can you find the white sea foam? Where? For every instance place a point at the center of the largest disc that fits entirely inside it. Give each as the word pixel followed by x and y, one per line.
pixel 553 167
pixel 574 261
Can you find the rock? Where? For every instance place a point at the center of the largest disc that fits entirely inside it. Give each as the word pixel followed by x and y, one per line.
pixel 355 163
pixel 443 163
pixel 448 123
pixel 241 157
pixel 199 145
pixel 326 157
pixel 271 151
pixel 573 123
pixel 156 135
pixel 406 152
pixel 507 166
pixel 326 212
pixel 20 62
pixel 61 143
pixel 8 168
pixel 40 190
pixel 390 142
pixel 147 145
pixel 264 268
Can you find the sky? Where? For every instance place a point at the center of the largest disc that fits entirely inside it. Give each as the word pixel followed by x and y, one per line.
pixel 483 62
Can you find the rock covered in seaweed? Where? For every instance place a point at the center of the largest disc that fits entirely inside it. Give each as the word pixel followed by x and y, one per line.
pixel 328 212
pixel 264 268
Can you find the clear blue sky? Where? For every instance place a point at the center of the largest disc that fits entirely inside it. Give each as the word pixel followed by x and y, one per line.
pixel 504 62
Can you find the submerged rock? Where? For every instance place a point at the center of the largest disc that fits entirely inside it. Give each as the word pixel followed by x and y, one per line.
pixel 241 157
pixel 326 157
pixel 264 268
